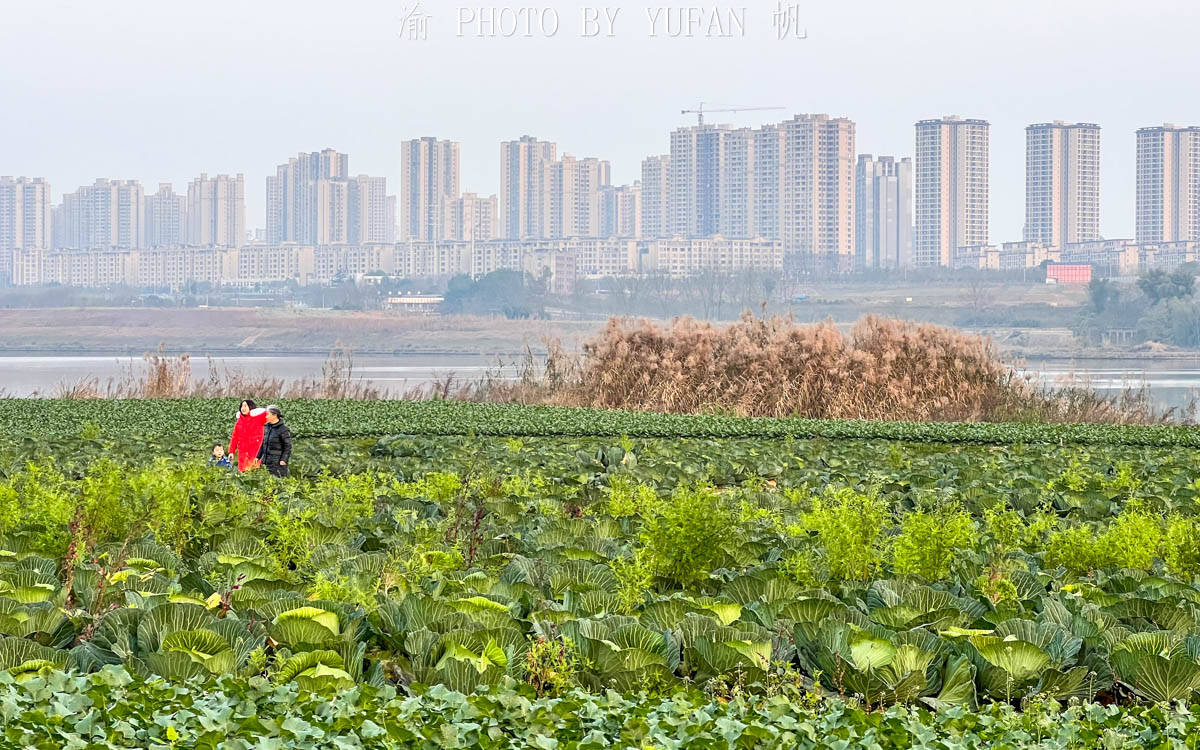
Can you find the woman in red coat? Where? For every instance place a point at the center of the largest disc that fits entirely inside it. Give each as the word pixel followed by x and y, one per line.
pixel 247 434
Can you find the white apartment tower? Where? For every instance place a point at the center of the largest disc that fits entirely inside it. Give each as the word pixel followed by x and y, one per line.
pixel 166 217
pixel 372 211
pixel 656 195
pixel 25 213
pixel 735 184
pixel 621 211
pixel 525 177
pixel 951 185
pixel 696 163
pixel 471 217
pixel 25 219
pixel 1062 183
pixel 292 193
pixel 216 211
pixel 575 187
pixel 817 202
pixel 107 214
pixel 768 166
pixel 883 223
pixel 1168 184
pixel 333 212
pixel 791 181
pixel 429 175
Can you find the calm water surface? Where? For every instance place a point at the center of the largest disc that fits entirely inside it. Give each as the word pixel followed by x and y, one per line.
pixel 1171 383
pixel 41 375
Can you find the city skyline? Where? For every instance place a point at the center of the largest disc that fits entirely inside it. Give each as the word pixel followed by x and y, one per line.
pixel 223 85
pixel 1098 199
pixel 790 180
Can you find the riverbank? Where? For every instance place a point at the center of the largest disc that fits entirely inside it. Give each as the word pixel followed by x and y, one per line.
pixel 254 332
pixel 270 332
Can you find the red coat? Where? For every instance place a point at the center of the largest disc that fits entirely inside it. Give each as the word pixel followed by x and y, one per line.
pixel 247 437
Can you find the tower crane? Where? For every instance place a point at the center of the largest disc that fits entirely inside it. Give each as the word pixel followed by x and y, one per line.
pixel 701 110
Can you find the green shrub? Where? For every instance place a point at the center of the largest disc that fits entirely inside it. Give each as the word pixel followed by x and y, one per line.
pixel 440 487
pixel 634 576
pixel 340 588
pixel 629 498
pixel 803 567
pixel 551 666
pixel 1075 548
pixel 40 502
pixel 1004 527
pixel 686 534
pixel 1181 547
pixel 337 501
pixel 851 528
pixel 1132 540
pixel 928 541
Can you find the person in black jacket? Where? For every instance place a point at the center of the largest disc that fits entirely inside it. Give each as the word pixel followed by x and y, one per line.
pixel 276 449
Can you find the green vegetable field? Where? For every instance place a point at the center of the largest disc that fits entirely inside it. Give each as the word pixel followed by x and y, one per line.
pixel 465 575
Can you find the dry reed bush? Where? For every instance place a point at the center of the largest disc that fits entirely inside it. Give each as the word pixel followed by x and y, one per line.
pixel 772 367
pixel 170 376
pixel 884 369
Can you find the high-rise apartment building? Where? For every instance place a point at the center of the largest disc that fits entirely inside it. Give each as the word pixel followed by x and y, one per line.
pixel 1062 183
pixel 429 176
pixel 333 212
pixel 166 217
pixel 292 193
pixel 951 183
pixel 525 177
pixel 471 217
pixel 1168 184
pixel 735 184
pixel 768 166
pixel 106 214
pixel 817 206
pixel 575 187
pixel 697 155
pixel 656 196
pixel 25 215
pixel 216 211
pixel 883 223
pixel 621 211
pixel 791 181
pixel 372 211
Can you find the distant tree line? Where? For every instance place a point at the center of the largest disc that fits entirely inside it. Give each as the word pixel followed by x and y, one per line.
pixel 1160 306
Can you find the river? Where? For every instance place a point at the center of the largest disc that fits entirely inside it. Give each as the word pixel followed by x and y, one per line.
pixel 45 375
pixel 1172 383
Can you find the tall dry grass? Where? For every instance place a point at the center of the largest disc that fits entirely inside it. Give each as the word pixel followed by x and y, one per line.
pixel 170 376
pixel 772 367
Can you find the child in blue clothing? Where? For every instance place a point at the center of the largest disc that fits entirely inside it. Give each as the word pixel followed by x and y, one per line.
pixel 218 457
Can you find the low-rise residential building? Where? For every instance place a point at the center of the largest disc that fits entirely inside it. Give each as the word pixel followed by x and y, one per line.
pixel 1109 258
pixel 416 304
pixel 1168 256
pixel 685 256
pixel 564 260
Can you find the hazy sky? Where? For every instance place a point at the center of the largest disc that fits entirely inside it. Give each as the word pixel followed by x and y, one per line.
pixel 161 91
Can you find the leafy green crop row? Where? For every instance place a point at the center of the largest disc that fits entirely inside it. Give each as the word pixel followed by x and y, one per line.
pixel 111 709
pixel 204 419
pixel 899 573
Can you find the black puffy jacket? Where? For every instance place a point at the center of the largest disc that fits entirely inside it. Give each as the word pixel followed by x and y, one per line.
pixel 276 445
